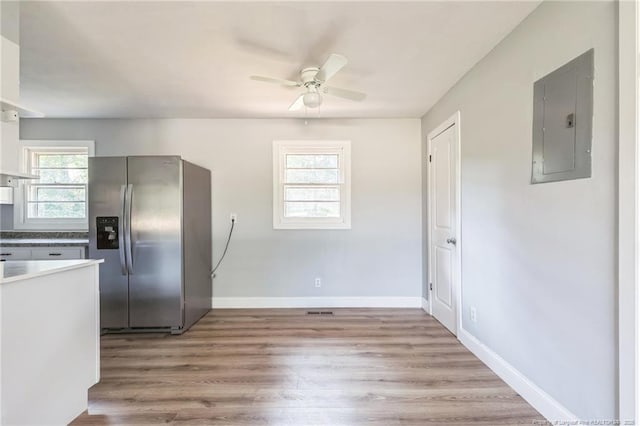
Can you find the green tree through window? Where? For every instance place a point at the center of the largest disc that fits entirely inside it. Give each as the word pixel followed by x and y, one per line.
pixel 61 191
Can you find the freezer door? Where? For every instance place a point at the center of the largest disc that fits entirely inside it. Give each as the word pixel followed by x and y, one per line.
pixel 107 180
pixel 155 270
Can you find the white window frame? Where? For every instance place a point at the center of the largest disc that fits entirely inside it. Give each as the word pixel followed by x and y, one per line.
pixel 280 150
pixel 20 219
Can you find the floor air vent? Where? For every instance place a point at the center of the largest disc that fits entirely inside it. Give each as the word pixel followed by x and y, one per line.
pixel 319 313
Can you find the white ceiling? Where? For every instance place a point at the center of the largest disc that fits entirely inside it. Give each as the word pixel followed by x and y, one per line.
pixel 193 59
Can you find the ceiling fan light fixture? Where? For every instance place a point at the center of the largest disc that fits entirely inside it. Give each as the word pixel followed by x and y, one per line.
pixel 312 99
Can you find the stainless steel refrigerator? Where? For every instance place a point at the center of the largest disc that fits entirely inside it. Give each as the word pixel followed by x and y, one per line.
pixel 150 220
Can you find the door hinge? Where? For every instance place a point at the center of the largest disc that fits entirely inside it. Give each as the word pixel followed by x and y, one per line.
pixel 431 286
pixel 429 157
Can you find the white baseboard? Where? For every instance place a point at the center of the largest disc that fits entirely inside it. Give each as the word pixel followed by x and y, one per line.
pixel 551 409
pixel 315 302
pixel 425 305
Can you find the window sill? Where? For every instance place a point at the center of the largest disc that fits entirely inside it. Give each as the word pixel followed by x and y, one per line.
pixel 50 226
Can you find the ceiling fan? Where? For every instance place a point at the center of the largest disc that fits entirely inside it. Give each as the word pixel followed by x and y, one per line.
pixel 313 79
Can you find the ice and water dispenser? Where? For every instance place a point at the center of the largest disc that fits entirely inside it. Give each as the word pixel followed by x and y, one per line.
pixel 107 232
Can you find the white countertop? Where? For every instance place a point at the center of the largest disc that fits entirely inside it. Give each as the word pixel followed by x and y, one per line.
pixel 17 270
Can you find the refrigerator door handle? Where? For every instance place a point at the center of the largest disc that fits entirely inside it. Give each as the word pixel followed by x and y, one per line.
pixel 123 262
pixel 127 228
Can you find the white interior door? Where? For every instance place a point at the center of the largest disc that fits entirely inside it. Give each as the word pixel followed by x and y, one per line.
pixel 443 253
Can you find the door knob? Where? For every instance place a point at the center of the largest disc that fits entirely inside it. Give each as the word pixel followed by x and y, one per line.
pixel 451 241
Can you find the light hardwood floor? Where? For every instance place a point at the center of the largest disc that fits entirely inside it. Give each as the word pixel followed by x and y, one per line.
pixel 282 367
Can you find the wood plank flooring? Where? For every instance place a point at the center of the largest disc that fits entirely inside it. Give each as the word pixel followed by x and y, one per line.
pixel 382 367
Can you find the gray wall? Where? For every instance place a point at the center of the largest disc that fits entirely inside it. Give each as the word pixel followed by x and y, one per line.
pixel 539 261
pixel 379 256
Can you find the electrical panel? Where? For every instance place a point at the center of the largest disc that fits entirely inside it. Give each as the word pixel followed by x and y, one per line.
pixel 562 122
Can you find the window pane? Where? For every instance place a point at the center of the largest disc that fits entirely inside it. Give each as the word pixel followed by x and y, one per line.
pixel 56 210
pixel 44 193
pixel 311 209
pixel 61 176
pixel 62 160
pixel 312 176
pixel 311 194
pixel 320 161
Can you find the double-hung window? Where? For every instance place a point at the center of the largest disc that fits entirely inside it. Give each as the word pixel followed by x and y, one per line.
pixel 311 187
pixel 58 199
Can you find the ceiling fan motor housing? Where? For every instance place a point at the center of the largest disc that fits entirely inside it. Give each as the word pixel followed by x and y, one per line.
pixel 308 76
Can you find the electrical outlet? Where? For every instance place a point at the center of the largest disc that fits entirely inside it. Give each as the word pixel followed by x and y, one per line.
pixel 473 314
pixel 234 217
pixel 318 282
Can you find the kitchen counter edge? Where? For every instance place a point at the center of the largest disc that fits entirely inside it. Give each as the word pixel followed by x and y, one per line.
pixel 51 267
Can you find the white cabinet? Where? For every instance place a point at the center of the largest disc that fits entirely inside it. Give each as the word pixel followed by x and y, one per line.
pixel 51 351
pixel 10 90
pixel 10 85
pixel 41 253
pixel 53 253
pixel 15 253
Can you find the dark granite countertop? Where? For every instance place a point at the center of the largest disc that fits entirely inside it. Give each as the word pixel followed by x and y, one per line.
pixel 44 242
pixel 43 239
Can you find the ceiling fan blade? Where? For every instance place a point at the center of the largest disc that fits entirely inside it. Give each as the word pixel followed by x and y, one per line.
pixel 297 104
pixel 332 66
pixel 275 80
pixel 344 93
